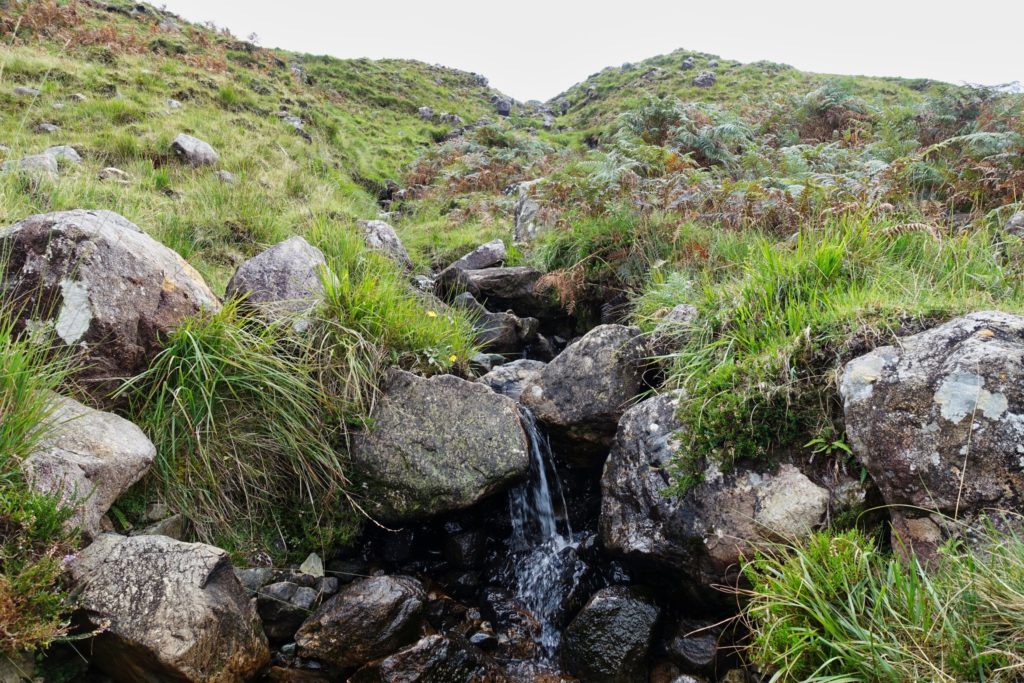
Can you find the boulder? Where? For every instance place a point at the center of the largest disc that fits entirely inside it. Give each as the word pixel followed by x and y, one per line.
pixel 525 215
pixel 705 79
pixel 282 281
pixel 610 639
pixel 498 332
pixel 698 536
pixel 64 153
pixel 437 445
pixel 382 237
pixel 35 165
pixel 104 286
pixel 193 151
pixel 434 659
pixel 938 422
pixel 499 289
pixel 88 459
pixel 167 610
pixel 586 388
pixel 510 378
pixel 487 255
pixel 503 107
pixel 366 620
pixel 688 64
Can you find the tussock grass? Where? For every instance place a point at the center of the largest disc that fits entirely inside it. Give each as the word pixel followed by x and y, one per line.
pixel 837 608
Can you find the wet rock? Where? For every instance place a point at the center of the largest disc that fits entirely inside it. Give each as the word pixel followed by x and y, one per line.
pixel 587 387
pixel 694 645
pixel 106 288
pixel 699 536
pixel 368 619
pixel 938 422
pixel 466 549
pixel 434 659
pixel 517 629
pixel 35 165
pixel 437 445
pixel 115 174
pixel 705 79
pixel 609 640
pixel 498 332
pixel 382 237
pixel 193 151
pixel 64 153
pixel 283 607
pixel 88 459
pixel 509 379
pixel 283 281
pixel 170 611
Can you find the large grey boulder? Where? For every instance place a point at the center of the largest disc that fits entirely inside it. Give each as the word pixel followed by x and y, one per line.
pixel 105 288
pixel 588 386
pixel 938 422
pixel 510 378
pixel 167 611
pixel 88 459
pixel 283 280
pixel 193 151
pixel 366 620
pixel 380 236
pixel 700 535
pixel 610 639
pixel 35 166
pixel 437 445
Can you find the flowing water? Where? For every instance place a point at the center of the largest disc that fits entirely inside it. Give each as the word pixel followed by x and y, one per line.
pixel 543 560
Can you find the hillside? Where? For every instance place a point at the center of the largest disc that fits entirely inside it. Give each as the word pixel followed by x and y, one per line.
pixel 343 369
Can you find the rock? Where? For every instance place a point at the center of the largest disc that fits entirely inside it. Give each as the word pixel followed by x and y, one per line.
pixel 313 566
pixel 193 151
pixel 78 97
pixel 367 619
pixel 492 253
pixel 688 64
pixel 938 422
pixel 1015 226
pixel 694 645
pixel 705 79
pixel 35 165
pixel 525 215
pixel 451 119
pixel 498 332
pixel 670 333
pixel 510 378
pixel 107 288
pixel 88 459
pixel 174 104
pixel 25 91
pixel 172 527
pixel 499 289
pixel 586 388
pixel 382 237
pixel 169 611
pixel 434 659
pixel 699 536
pixel 712 63
pixel 466 549
pixel 437 445
pixel 227 177
pixel 283 607
pixel 503 107
pixel 115 174
pixel 47 127
pixel 610 638
pixel 254 578
pixel 64 153
pixel 283 281
pixel 425 113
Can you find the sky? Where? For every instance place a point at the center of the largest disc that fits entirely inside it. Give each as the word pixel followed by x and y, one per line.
pixel 536 49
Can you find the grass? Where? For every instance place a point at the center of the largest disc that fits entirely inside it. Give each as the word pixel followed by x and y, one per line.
pixel 839 609
pixel 34 541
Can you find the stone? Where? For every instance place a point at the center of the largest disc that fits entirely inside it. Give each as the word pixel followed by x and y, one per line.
pixel 283 607
pixel 105 287
pixel 366 620
pixel 193 151
pixel 25 91
pixel 510 378
pixel 503 107
pixel 492 253
pixel 938 422
pixel 174 104
pixel 500 289
pixel 114 174
pixel 699 536
pixel 694 645
pixel 451 119
pixel 610 639
pixel 1015 225
pixel 166 610
pixel 35 166
pixel 283 282
pixel 670 333
pixel 88 459
pixel 380 236
pixel 227 177
pixel 78 97
pixel 586 388
pixel 498 332
pixel 254 578
pixel 312 565
pixel 437 445
pixel 524 214
pixel 47 127
pixel 705 79
pixel 425 113
pixel 64 153
pixel 434 659
pixel 688 64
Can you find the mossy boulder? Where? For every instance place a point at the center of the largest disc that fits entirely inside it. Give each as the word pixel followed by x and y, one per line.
pixel 437 445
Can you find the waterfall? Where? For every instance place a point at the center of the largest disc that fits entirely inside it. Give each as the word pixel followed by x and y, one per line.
pixel 542 545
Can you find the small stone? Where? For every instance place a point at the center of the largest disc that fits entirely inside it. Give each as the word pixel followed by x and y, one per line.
pixel 47 127
pixel 64 153
pixel 115 174
pixel 226 177
pixel 313 565
pixel 25 91
pixel 193 151
pixel 174 104
pixel 78 97
pixel 705 79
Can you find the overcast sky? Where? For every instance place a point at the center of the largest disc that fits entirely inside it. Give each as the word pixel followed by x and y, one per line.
pixel 535 49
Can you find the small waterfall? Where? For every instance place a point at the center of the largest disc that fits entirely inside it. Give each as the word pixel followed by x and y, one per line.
pixel 542 545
